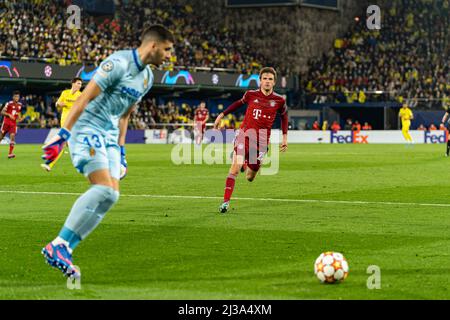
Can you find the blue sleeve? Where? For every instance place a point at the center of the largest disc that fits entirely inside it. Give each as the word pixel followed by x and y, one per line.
pixel 109 73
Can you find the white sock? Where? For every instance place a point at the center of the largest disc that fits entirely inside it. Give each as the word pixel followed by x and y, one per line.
pixel 58 240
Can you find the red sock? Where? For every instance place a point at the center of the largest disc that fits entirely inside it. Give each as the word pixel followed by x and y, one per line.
pixel 229 187
pixel 11 148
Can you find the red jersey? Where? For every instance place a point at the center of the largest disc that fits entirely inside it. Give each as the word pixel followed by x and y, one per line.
pixel 201 114
pixel 14 109
pixel 261 111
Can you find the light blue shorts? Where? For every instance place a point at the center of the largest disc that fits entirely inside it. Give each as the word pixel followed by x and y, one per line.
pixel 91 151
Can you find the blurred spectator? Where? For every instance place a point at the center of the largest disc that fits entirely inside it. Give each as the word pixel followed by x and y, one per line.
pixel 348 125
pixel 432 127
pixel 366 126
pixel 316 125
pixel 335 126
pixel 356 126
pixel 422 127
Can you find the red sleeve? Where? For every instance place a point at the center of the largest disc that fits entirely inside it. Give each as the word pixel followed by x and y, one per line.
pixel 235 105
pixel 284 119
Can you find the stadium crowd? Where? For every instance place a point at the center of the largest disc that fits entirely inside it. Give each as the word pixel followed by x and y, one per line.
pixel 335 126
pixel 408 59
pixel 36 29
pixel 171 115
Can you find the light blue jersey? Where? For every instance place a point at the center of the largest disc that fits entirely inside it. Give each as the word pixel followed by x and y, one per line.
pixel 124 80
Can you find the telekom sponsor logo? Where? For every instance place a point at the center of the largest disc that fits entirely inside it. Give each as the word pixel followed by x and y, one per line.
pixel 257 113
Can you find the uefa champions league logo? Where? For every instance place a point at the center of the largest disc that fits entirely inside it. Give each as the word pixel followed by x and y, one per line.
pixel 215 79
pixel 48 71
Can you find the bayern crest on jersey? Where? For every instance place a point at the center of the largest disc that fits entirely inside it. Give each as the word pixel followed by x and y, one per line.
pixel 272 103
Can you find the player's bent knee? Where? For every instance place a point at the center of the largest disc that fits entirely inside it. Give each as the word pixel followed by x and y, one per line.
pixel 114 197
pixel 110 198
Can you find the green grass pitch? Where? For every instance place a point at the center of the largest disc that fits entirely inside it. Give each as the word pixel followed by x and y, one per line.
pixel 173 247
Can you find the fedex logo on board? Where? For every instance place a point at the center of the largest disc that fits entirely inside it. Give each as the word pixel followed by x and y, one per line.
pixel 353 137
pixel 436 136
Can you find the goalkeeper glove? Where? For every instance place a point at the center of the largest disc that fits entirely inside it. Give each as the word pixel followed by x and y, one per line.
pixel 123 163
pixel 54 148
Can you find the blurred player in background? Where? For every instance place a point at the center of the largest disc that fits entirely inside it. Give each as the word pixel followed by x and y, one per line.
pixel 12 113
pixel 96 129
pixel 445 123
pixel 68 98
pixel 200 119
pixel 63 105
pixel 252 138
pixel 406 115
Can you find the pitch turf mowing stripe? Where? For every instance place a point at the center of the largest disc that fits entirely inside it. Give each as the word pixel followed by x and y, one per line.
pixel 446 205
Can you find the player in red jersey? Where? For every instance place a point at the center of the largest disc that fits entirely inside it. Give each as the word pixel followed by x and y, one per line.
pixel 200 118
pixel 252 138
pixel 11 114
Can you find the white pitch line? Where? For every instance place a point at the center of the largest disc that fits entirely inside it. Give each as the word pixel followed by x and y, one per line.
pixel 446 205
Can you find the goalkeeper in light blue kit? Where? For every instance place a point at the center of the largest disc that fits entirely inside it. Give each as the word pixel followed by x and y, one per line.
pixel 95 130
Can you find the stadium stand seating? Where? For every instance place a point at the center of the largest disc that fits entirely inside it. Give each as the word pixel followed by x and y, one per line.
pixel 409 59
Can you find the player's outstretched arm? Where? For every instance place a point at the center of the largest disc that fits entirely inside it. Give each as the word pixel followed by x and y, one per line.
pixel 235 105
pixel 60 103
pixel 218 119
pixel 4 113
pixel 284 128
pixel 284 143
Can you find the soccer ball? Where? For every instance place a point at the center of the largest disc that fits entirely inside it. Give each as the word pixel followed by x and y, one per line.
pixel 331 267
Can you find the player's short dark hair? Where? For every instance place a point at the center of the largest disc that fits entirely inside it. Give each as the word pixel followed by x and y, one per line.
pixel 268 70
pixel 158 33
pixel 76 79
pixel 16 92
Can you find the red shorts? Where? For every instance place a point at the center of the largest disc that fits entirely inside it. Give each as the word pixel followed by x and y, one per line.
pixel 252 150
pixel 8 127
